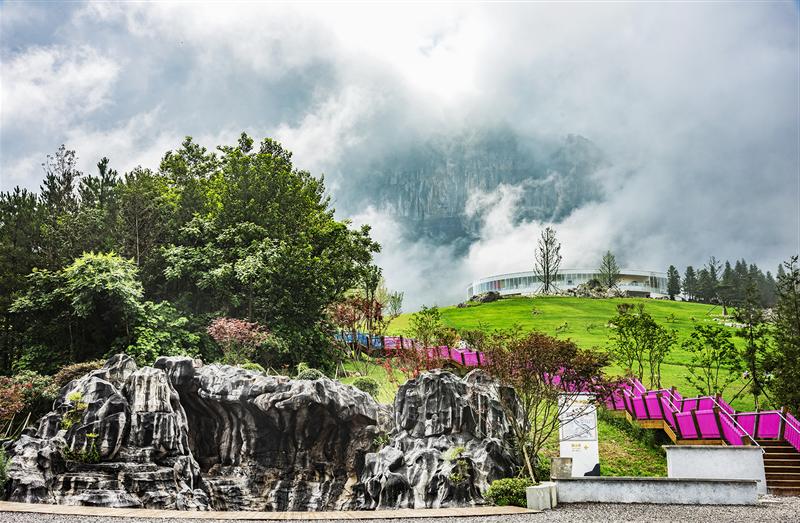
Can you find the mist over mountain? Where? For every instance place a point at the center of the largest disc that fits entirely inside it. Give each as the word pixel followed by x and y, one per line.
pixel 433 186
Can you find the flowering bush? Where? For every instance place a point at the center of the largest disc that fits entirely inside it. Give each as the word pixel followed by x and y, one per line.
pixel 25 393
pixel 238 339
pixel 12 399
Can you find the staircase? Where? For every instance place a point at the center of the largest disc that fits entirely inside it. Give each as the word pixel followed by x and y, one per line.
pixel 782 467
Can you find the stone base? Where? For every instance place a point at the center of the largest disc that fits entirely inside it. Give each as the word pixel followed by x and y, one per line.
pixel 658 490
pixel 542 496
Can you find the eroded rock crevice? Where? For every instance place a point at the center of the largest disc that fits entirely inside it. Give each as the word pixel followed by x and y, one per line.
pixel 183 435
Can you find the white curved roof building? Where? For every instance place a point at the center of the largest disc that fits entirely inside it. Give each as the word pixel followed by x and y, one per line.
pixel 635 282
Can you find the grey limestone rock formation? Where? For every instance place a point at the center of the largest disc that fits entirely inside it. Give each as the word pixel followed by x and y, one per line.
pixel 450 442
pixel 184 435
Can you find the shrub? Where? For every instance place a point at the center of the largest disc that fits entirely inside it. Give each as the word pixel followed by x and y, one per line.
pixel 38 392
pixel 91 454
pixel 75 413
pixel 237 338
pixel 3 467
pixel 12 399
pixel 75 371
pixel 509 491
pixel 310 374
pixel 253 366
pixel 367 384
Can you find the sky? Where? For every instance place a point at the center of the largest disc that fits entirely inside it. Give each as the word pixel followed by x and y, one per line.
pixel 696 106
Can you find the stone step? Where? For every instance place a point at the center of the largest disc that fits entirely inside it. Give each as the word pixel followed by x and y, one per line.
pixel 783 483
pixel 778 448
pixel 784 491
pixel 782 456
pixel 772 442
pixel 774 476
pixel 777 469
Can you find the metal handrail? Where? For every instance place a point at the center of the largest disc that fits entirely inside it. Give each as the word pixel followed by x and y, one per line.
pixel 733 419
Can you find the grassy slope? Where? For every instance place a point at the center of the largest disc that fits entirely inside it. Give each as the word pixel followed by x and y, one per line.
pixel 586 325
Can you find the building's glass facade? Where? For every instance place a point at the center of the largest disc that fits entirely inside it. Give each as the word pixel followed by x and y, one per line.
pixel 527 282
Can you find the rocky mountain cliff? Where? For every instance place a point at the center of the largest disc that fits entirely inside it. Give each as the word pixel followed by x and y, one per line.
pixel 427 185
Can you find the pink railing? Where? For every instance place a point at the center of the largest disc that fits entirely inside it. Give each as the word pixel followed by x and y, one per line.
pixel 701 417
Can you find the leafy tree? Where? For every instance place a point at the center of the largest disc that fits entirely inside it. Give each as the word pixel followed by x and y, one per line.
pixel 609 271
pixel 728 288
pixel 706 286
pixel 547 260
pixel 394 304
pixel 757 337
pixel 268 248
pixel 82 312
pixel 162 331
pixel 639 343
pixel 529 364
pixel 425 325
pixel 673 282
pixel 713 359
pixel 786 360
pixel 145 218
pixel 59 202
pixel 690 283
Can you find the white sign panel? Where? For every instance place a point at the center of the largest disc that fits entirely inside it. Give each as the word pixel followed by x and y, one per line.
pixel 578 433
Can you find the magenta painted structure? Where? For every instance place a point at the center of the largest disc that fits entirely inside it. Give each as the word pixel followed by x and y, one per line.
pixel 698 418
pixel 703 417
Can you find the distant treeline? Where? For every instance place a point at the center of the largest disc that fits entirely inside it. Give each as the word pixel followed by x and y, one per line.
pixel 730 285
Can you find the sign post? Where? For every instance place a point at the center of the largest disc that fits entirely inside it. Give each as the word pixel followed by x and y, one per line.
pixel 578 433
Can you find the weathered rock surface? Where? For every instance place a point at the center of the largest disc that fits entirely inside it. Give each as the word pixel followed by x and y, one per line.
pixel 450 442
pixel 184 435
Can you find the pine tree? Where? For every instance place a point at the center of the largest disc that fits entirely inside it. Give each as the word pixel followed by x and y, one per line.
pixel 609 271
pixel 727 287
pixel 673 282
pixel 690 283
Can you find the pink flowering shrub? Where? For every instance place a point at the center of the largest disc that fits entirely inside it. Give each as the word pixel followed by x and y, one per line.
pixel 238 339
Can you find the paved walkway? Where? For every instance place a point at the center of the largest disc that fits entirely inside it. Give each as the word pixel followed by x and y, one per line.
pixel 769 509
pixel 40 508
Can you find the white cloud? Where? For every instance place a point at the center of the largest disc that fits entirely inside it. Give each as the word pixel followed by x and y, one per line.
pixel 47 88
pixel 694 104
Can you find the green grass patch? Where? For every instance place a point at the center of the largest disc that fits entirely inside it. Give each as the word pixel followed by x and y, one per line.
pixel 587 325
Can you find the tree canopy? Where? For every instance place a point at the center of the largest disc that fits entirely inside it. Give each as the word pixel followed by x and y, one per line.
pixel 97 263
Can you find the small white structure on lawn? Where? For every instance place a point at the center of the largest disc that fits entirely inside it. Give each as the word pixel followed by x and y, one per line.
pixel 578 433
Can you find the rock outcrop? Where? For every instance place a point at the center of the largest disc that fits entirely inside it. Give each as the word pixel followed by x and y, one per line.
pixel 183 435
pixel 450 442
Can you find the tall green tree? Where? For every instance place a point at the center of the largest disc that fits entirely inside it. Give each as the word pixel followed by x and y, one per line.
pixel 786 359
pixel 673 282
pixel 20 245
pixel 713 359
pixel 757 339
pixel 608 273
pixel 690 283
pixel 268 249
pixel 59 200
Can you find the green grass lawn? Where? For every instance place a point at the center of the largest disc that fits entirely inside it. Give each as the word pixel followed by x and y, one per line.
pixel 586 324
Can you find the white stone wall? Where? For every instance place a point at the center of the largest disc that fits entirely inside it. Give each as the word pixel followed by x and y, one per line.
pixel 716 462
pixel 657 490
